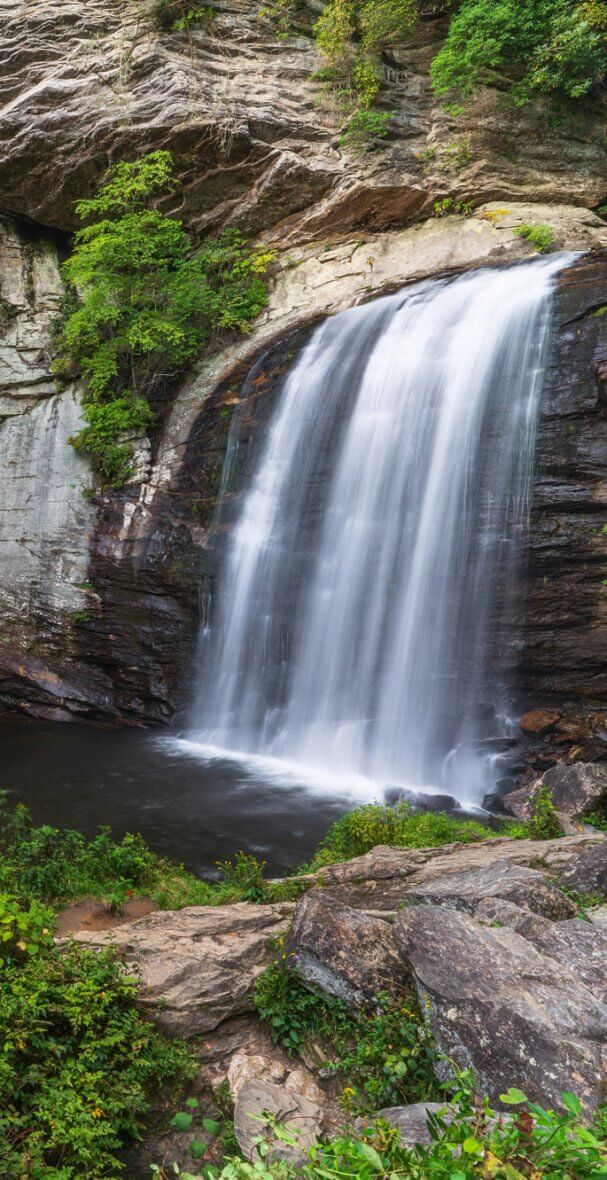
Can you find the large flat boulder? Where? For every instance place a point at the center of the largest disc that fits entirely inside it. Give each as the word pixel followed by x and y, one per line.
pixel 199 965
pixel 343 952
pixel 516 883
pixel 497 1004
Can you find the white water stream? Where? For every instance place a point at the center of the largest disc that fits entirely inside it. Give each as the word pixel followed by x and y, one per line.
pixel 355 629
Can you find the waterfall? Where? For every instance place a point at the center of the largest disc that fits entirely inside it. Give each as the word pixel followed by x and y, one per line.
pixel 355 625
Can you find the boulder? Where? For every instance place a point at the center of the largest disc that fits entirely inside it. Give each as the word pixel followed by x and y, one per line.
pixel 498 1005
pixel 576 788
pixel 412 1121
pixel 199 965
pixel 586 872
pixel 521 885
pixel 539 721
pixel 267 1083
pixel 342 951
pixel 580 946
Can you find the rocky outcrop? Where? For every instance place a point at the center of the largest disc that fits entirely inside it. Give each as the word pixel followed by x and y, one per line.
pixel 237 105
pixel 575 943
pixel 518 997
pixel 382 880
pixel 465 890
pixel 502 1008
pixel 343 952
pixel 586 873
pixel 412 1121
pixel 268 1084
pixel 197 966
pixel 575 791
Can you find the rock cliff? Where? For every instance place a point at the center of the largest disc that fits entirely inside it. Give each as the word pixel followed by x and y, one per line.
pixel 100 599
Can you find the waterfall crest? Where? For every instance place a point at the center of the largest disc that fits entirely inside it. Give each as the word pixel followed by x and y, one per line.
pixel 355 625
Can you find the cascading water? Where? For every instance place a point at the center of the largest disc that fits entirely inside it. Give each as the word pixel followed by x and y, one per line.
pixel 355 625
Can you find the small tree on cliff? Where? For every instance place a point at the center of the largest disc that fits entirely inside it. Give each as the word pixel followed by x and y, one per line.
pixel 143 305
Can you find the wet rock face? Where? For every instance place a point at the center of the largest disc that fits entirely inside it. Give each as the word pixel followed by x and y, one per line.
pixel 514 994
pixel 564 657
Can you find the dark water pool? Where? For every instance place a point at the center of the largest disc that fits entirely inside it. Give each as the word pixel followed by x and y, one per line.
pixel 191 809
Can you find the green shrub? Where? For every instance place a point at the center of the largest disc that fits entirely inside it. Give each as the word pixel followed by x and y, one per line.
pixel 545 823
pixel 179 14
pixel 365 128
pixel 543 45
pixel 385 1054
pixel 374 823
pixel 147 305
pixel 23 931
pixel 598 819
pixel 78 1062
pixel 292 1012
pixel 54 866
pixel 541 237
pixel 350 35
pixel 57 865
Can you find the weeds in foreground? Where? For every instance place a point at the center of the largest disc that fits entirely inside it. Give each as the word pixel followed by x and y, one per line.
pixel 383 1056
pixel 78 1063
pixel 469 1138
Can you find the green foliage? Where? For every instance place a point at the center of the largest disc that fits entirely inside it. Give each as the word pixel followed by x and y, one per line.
pixel 147 305
pixel 479 1141
pixel 78 1063
pixel 543 46
pixel 374 823
pixel 279 14
pixel 545 823
pixel 54 866
pixel 457 156
pixel 179 14
pixel 448 206
pixel 550 46
pixel 23 931
pixel 245 876
pixel 365 128
pixel 387 1059
pixel 385 1055
pixel 57 865
pixel 573 60
pixel 598 819
pixel 541 237
pixel 292 1012
pixel 350 35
